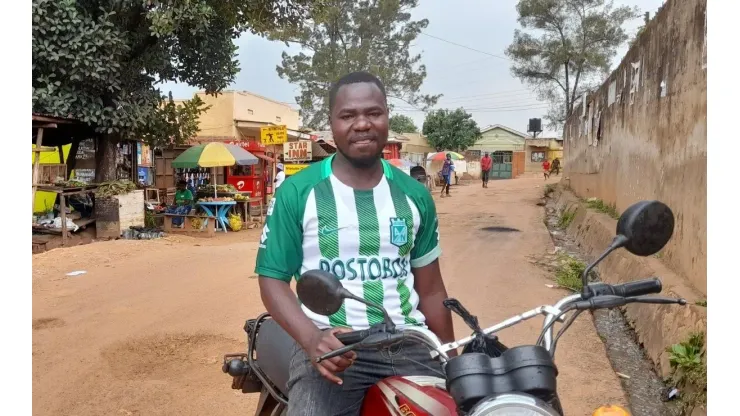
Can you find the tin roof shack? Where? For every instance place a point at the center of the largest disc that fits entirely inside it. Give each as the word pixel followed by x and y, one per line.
pixel 50 134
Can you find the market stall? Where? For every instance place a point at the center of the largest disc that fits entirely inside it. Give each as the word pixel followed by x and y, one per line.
pixel 213 155
pixel 63 224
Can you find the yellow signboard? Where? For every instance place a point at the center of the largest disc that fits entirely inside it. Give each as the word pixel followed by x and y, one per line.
pixel 292 169
pixel 273 135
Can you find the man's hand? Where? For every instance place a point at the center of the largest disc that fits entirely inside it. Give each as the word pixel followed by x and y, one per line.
pixel 281 303
pixel 324 342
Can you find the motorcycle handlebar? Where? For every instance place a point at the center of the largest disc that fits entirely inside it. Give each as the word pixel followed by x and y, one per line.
pixel 353 337
pixel 626 290
pixel 639 287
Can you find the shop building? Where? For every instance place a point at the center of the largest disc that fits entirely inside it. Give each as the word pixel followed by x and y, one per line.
pixel 235 117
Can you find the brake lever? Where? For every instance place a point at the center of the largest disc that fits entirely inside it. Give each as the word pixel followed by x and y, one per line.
pixel 657 300
pixel 376 340
pixel 336 353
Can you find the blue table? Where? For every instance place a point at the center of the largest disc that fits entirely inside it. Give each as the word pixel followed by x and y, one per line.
pixel 221 208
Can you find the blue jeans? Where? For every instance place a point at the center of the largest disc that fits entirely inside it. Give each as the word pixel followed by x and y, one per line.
pixel 180 209
pixel 310 394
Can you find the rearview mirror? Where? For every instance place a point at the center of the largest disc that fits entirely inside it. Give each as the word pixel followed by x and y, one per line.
pixel 321 292
pixel 646 226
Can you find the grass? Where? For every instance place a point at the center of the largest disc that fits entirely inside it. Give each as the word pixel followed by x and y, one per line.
pixel 549 188
pixel 689 371
pixel 569 271
pixel 567 216
pixel 701 303
pixel 601 206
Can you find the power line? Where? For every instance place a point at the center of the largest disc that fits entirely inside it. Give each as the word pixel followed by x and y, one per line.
pixel 513 97
pixel 482 111
pixel 490 109
pixel 507 92
pixel 466 47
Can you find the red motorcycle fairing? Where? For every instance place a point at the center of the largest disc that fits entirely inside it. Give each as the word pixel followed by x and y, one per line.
pixel 409 396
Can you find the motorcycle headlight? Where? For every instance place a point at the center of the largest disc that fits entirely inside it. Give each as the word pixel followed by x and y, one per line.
pixel 513 405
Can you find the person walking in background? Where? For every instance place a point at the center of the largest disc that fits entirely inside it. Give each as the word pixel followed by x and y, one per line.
pixel 546 168
pixel 446 172
pixel 555 166
pixel 279 176
pixel 485 169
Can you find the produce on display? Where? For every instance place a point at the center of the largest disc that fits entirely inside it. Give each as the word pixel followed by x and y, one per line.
pixel 219 188
pixel 70 184
pixel 113 188
pixel 235 222
pixel 197 223
pixel 212 199
pixel 241 197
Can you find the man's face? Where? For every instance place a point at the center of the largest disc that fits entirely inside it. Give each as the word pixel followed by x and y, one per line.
pixel 359 122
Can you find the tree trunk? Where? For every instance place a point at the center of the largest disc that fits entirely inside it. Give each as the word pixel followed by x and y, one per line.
pixel 105 158
pixel 72 157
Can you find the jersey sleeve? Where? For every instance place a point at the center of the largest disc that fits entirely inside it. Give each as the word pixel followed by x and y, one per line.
pixel 426 244
pixel 280 249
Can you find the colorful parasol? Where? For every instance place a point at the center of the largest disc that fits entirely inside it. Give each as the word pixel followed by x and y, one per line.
pixel 439 156
pixel 401 163
pixel 213 155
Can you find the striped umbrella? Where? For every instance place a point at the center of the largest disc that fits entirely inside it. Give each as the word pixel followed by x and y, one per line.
pixel 439 156
pixel 212 155
pixel 215 154
pixel 401 163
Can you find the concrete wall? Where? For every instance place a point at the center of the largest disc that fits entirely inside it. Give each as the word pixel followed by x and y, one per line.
pixel 644 135
pixel 219 119
pixel 253 107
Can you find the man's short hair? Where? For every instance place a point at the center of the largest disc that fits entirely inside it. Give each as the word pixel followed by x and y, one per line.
pixel 354 78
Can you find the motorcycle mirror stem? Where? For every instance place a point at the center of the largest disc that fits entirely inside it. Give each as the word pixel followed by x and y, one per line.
pixel 389 325
pixel 618 242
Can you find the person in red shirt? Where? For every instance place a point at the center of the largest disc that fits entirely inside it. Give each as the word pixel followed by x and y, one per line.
pixel 546 168
pixel 485 168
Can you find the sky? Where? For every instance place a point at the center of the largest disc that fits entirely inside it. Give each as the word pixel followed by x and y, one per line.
pixel 458 50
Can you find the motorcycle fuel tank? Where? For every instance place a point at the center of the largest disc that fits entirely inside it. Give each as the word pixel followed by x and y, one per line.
pixel 409 396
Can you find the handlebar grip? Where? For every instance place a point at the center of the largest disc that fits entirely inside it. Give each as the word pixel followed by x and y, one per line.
pixel 639 287
pixel 353 337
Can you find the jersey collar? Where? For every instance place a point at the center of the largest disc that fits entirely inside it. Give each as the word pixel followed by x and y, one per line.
pixel 326 168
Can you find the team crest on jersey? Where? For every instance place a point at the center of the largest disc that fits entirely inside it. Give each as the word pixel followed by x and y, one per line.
pixel 399 232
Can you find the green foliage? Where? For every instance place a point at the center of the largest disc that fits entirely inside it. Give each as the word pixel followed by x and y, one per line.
pixel 347 36
pixel 100 61
pixel 450 130
pixel 601 206
pixel 568 273
pixel 689 371
pixel 549 188
pixel 702 302
pixel 565 46
pixel 402 124
pixel 566 217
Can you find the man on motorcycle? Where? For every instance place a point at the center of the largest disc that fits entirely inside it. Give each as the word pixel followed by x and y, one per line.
pixel 375 228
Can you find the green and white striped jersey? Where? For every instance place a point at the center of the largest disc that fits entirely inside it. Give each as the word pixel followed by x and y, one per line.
pixel 369 239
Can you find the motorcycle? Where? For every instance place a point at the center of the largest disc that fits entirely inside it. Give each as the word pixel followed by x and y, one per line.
pixel 487 378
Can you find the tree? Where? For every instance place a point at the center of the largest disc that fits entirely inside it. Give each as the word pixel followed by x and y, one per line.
pixel 570 44
pixel 100 61
pixel 402 124
pixel 350 35
pixel 451 130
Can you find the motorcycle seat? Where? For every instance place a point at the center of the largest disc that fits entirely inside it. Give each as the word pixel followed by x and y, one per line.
pixel 274 352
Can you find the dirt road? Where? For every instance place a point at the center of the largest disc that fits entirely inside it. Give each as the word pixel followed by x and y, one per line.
pixel 143 331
